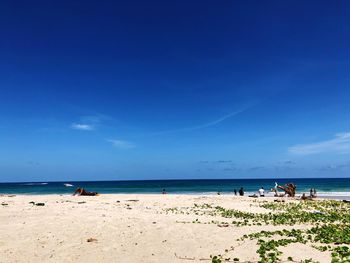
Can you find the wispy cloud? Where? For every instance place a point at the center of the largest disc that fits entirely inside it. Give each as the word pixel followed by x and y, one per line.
pixel 230 169
pixel 339 144
pixel 121 144
pixel 256 168
pixel 82 126
pixel 334 167
pixel 290 162
pixel 87 123
pixel 205 125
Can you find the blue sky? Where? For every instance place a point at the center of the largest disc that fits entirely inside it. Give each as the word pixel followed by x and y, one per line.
pixel 111 90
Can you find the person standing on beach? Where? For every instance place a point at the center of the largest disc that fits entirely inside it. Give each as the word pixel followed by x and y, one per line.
pixel 241 191
pixel 235 191
pixel 262 192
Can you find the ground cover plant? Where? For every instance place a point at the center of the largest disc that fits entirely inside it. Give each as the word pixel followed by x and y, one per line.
pixel 327 221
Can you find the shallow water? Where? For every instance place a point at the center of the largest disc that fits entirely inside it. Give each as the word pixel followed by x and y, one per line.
pixel 324 186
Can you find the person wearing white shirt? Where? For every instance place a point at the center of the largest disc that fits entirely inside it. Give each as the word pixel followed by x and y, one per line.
pixel 262 192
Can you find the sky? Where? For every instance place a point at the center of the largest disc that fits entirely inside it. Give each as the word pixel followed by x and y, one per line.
pixel 126 90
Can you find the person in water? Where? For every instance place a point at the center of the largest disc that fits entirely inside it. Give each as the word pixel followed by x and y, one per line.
pixel 82 191
pixel 164 192
pixel 235 191
pixel 262 192
pixel 241 192
pixel 313 193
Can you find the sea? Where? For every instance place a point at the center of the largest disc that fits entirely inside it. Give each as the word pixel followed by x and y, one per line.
pixel 331 187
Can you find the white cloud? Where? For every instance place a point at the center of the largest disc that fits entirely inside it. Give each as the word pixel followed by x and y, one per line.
pixel 83 127
pixel 339 144
pixel 121 144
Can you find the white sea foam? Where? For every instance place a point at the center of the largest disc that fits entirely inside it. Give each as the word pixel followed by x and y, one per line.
pixel 35 184
pixel 333 194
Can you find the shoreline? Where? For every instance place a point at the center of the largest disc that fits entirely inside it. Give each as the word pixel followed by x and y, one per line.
pixel 338 196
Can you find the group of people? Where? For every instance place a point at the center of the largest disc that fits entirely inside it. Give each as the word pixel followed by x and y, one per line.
pixel 313 193
pixel 240 191
pixel 261 192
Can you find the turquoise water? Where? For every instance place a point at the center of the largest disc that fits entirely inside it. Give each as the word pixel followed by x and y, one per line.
pixel 324 186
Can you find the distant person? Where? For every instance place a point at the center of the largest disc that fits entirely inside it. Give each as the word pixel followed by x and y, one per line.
pixel 315 194
pixel 241 192
pixel 311 192
pixel 164 192
pixel 303 197
pixel 262 192
pixel 235 191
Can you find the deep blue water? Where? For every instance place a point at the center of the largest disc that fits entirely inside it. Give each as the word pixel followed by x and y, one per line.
pixel 329 186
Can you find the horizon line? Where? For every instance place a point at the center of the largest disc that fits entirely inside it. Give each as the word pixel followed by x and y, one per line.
pixel 192 179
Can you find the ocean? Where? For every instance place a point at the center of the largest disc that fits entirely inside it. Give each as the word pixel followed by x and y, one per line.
pixel 323 186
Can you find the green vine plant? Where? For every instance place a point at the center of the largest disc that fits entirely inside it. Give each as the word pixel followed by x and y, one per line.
pixel 329 230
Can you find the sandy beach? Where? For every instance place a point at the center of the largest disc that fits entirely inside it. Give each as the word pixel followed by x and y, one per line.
pixel 133 228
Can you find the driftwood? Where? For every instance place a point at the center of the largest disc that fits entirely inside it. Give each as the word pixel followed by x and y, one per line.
pixel 289 189
pixel 274 190
pixel 82 191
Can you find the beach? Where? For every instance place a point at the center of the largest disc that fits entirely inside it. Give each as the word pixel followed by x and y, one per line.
pixel 135 228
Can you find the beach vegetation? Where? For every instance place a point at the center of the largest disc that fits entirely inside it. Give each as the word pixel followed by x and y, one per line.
pixel 329 230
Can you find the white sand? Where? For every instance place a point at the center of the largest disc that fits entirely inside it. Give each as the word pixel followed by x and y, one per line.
pixel 58 231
